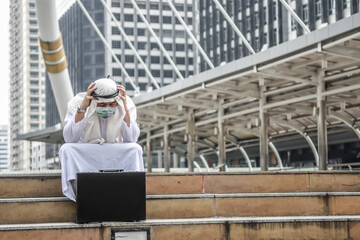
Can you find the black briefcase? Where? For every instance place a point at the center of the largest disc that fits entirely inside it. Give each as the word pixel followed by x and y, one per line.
pixel 110 196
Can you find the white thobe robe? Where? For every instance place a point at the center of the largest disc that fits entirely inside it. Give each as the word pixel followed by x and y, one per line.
pixel 85 157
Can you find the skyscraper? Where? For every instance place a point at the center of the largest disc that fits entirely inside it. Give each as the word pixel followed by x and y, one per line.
pixel 264 23
pixel 4 148
pixel 27 81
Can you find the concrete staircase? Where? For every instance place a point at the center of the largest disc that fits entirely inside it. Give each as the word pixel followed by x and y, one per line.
pixel 272 205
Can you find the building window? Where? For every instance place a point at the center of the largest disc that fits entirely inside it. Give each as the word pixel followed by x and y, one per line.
pixel 305 13
pixel 129 31
pixel 293 24
pixel 129 58
pixel 115 31
pixel 274 11
pixel 117 16
pixel 141 45
pixel 33 31
pixel 248 24
pixel 180 47
pixel 34 57
pixel 180 60
pixel 34 100
pixel 99 72
pixel 155 59
pixel 115 3
pixel 99 58
pixel 166 19
pixel 346 4
pixel 141 73
pixel 34 49
pixel 34 91
pixel 33 40
pixel 34 74
pixel 116 44
pixel 168 73
pixel 116 72
pixel 129 17
pixel 265 16
pixel 331 7
pixel 155 73
pixel 154 19
pixel 318 10
pixel 141 32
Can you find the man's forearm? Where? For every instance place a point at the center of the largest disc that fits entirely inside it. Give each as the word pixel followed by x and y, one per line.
pixel 79 116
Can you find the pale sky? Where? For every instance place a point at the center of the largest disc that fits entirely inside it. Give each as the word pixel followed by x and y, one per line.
pixel 4 62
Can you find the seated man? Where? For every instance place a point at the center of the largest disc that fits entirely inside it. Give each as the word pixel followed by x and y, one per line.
pixel 100 133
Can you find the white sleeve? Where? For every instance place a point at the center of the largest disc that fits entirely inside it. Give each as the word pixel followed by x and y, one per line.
pixel 72 131
pixel 130 134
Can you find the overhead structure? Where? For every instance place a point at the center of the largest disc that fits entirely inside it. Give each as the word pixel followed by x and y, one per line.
pixel 309 85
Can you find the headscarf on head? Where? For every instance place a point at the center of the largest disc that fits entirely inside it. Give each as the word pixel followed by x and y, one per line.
pixel 106 92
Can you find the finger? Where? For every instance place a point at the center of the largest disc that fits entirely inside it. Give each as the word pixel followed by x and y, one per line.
pixel 91 86
pixel 91 90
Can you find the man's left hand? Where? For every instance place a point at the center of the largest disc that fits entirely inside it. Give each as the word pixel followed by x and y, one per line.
pixel 122 96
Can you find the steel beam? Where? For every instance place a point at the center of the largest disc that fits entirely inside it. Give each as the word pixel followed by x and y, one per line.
pixel 301 131
pixel 204 162
pixel 321 122
pixel 148 151
pixel 166 149
pixel 221 139
pixel 190 133
pixel 264 125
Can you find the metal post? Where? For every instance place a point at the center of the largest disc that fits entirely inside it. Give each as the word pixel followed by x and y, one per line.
pixel 148 151
pixel 166 149
pixel 321 121
pixel 264 122
pixel 221 139
pixel 176 160
pixel 159 159
pixel 190 131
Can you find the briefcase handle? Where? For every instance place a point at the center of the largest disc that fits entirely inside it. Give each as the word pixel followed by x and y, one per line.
pixel 112 170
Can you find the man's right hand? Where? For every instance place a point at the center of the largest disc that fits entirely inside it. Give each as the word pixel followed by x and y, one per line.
pixel 87 99
pixel 86 102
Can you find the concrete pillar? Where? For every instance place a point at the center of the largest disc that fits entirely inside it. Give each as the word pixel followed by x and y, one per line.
pixel 166 149
pixel 148 151
pixel 176 160
pixel 159 159
pixel 221 138
pixel 321 121
pixel 190 132
pixel 264 124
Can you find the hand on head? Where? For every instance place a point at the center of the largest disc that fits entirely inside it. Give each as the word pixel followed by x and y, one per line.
pixel 88 97
pixel 122 94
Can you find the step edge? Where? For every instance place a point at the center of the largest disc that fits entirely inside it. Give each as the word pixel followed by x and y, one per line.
pixel 183 221
pixel 195 196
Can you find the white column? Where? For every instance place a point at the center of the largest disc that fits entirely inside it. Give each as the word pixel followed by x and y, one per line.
pixel 264 122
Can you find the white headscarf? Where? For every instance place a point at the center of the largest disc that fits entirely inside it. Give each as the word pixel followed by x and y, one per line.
pixel 92 133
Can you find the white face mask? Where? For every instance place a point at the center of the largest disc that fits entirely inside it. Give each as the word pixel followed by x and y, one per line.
pixel 105 112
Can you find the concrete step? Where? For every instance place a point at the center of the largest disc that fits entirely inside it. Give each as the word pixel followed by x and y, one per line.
pixel 173 206
pixel 49 185
pixel 309 227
